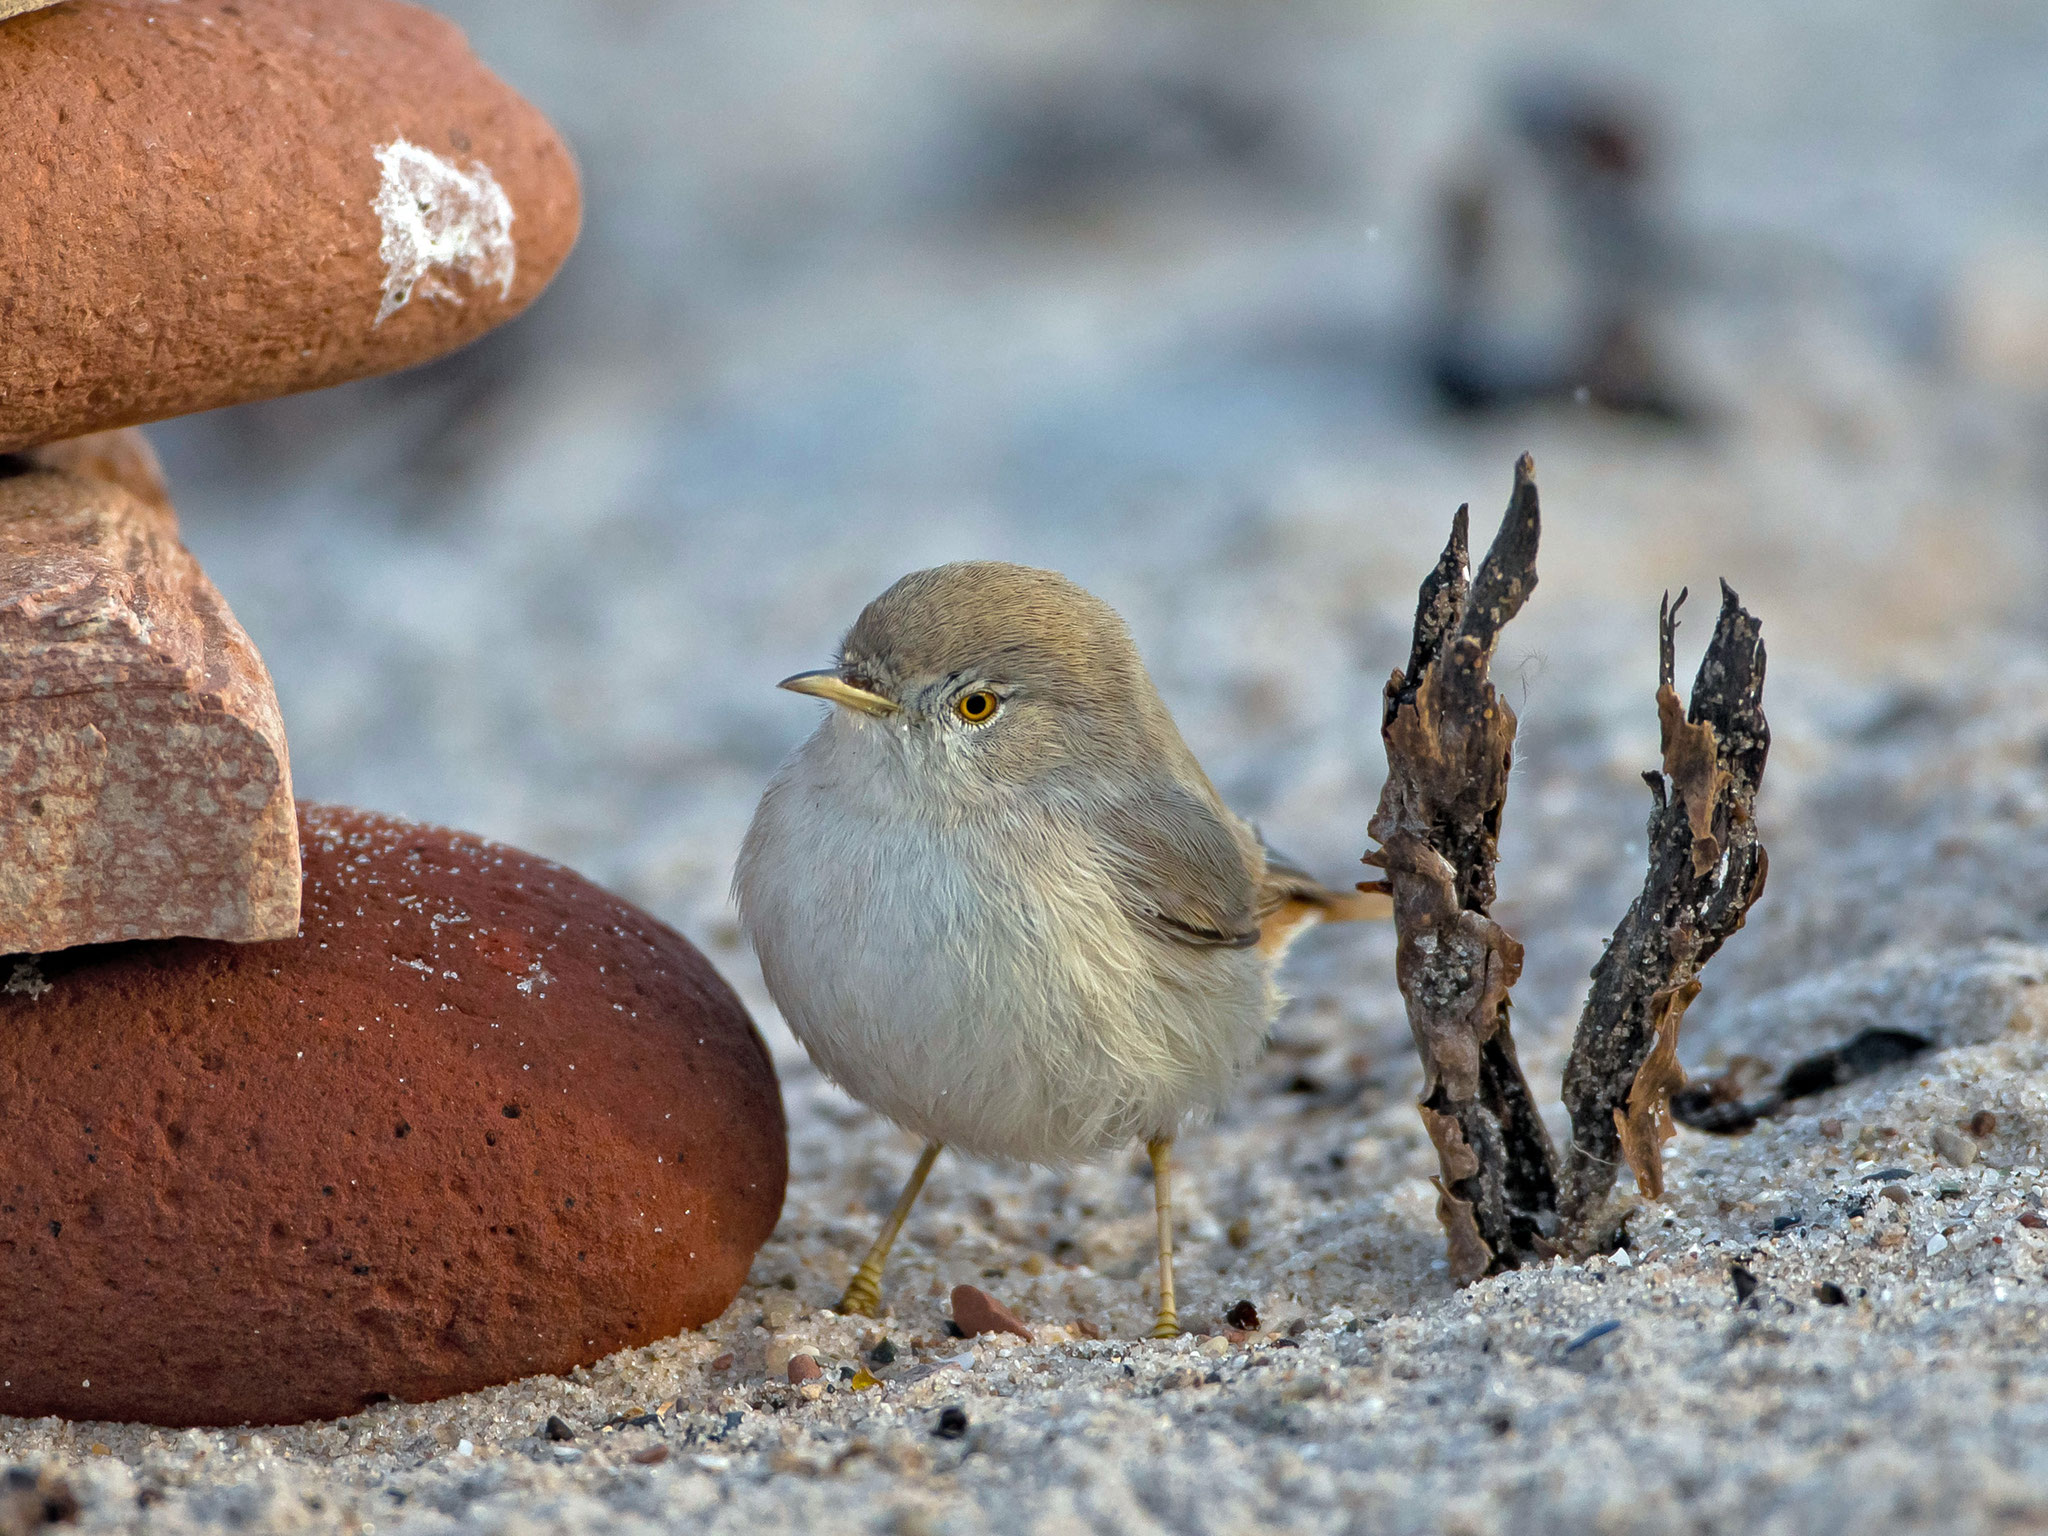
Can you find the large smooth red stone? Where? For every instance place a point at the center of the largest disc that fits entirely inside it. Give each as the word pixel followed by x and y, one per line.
pixel 478 1120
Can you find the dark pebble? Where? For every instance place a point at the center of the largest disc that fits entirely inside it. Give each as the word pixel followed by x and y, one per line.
pixel 1597 1331
pixel 2033 1219
pixel 1883 1174
pixel 1786 1223
pixel 653 1456
pixel 1898 1194
pixel 1829 1294
pixel 846 1373
pixel 1743 1281
pixel 1244 1315
pixel 1983 1123
pixel 1287 1343
pixel 952 1423
pixel 953 1330
pixel 883 1353
pixel 557 1428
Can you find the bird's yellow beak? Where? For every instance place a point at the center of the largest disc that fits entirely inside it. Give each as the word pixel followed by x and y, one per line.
pixel 830 686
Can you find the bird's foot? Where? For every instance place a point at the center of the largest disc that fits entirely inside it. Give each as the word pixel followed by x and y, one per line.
pixel 863 1297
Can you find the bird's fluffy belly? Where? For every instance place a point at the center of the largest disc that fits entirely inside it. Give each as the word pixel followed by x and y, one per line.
pixel 1003 1005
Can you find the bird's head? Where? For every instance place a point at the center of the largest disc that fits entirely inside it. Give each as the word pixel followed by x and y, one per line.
pixel 1000 671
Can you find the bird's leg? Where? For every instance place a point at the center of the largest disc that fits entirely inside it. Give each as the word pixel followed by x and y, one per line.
pixel 864 1292
pixel 1168 1326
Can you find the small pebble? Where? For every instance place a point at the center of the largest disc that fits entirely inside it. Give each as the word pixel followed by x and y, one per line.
pixel 883 1353
pixel 557 1428
pixel 1829 1294
pixel 2033 1220
pixel 464 1448
pixel 723 1362
pixel 653 1456
pixel 862 1379
pixel 1936 1244
pixel 803 1368
pixel 1239 1233
pixel 567 1453
pixel 1898 1194
pixel 1243 1315
pixel 811 1391
pixel 1891 1237
pixel 952 1423
pixel 1216 1344
pixel 1954 1146
pixel 1831 1128
pixel 975 1312
pixel 1983 1124
pixel 1743 1281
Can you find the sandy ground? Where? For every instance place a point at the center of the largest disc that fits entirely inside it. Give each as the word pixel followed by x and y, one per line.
pixel 814 340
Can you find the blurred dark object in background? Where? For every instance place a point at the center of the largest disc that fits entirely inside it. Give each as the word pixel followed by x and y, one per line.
pixel 1086 139
pixel 1555 272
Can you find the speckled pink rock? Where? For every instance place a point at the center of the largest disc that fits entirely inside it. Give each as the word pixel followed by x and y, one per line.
pixel 145 789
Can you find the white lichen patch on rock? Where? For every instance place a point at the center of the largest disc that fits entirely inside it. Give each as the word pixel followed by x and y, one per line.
pixel 440 221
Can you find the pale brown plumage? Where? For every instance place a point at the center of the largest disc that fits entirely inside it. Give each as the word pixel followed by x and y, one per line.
pixel 998 899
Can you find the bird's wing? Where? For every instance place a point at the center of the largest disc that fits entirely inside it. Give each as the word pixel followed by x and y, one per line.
pixel 1180 867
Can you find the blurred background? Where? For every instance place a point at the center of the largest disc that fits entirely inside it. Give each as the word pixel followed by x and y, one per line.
pixel 1222 308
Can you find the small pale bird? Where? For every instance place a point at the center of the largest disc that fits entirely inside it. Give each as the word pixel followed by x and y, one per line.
pixel 998 900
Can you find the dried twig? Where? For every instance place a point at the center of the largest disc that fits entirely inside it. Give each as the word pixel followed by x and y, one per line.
pixel 1450 741
pixel 1706 870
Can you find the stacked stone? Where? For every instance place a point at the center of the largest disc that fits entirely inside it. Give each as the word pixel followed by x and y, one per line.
pixel 300 1108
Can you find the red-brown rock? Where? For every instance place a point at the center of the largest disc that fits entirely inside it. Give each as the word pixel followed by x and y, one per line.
pixel 223 200
pixel 145 790
pixel 478 1120
pixel 975 1312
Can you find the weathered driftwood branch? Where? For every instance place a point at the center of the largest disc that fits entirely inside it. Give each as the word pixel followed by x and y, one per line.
pixel 1450 741
pixel 1706 870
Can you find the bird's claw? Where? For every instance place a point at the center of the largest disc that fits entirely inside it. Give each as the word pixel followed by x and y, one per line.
pixel 862 1299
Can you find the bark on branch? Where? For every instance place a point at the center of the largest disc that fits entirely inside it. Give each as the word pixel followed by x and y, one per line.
pixel 1450 742
pixel 1707 869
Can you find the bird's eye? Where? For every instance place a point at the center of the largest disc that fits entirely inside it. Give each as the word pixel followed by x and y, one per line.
pixel 977 706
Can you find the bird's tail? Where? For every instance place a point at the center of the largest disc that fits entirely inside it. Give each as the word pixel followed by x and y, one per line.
pixel 1293 901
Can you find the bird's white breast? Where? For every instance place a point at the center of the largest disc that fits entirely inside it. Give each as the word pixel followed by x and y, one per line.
pixel 961 962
